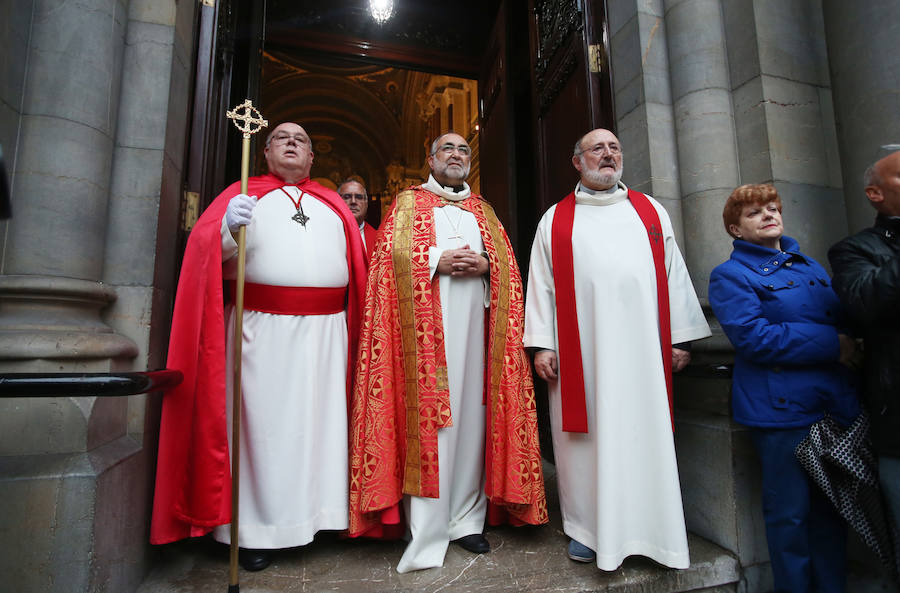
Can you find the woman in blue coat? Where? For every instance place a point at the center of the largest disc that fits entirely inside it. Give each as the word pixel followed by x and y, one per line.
pixel 777 307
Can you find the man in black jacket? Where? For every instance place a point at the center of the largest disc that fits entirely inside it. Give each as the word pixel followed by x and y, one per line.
pixel 867 280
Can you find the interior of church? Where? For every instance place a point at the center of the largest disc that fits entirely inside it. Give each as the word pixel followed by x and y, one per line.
pixel 372 118
pixel 368 122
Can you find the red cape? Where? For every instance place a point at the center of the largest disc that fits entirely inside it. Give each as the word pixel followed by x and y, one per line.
pixel 371 233
pixel 193 476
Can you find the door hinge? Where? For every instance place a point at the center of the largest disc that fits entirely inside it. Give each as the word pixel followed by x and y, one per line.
pixel 211 3
pixel 190 210
pixel 596 58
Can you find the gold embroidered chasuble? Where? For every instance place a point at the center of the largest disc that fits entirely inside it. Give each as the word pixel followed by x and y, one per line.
pixel 401 395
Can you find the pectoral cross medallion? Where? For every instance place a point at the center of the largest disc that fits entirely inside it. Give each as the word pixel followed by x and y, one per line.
pixel 300 217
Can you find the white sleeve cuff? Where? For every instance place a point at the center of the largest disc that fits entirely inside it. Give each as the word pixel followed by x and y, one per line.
pixel 434 256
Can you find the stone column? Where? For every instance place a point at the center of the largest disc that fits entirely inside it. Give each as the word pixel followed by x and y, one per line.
pixel 64 461
pixel 704 127
pixel 784 116
pixel 643 100
pixel 865 73
pixel 52 259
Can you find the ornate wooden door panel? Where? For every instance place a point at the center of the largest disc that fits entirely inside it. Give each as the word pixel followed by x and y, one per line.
pixel 572 86
pixel 496 148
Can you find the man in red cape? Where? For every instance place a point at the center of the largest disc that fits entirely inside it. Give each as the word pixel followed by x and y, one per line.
pixel 305 278
pixel 443 417
pixel 357 199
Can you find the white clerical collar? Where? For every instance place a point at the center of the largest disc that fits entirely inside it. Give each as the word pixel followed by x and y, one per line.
pixel 447 192
pixel 361 225
pixel 601 197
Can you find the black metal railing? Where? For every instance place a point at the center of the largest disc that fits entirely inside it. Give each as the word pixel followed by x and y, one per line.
pixel 87 384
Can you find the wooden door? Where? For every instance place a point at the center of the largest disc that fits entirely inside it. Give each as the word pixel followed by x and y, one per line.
pixel 226 71
pixel 572 86
pixel 497 159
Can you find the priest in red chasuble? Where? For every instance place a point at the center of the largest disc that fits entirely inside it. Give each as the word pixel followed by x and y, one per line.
pixel 305 279
pixel 443 415
pixel 608 295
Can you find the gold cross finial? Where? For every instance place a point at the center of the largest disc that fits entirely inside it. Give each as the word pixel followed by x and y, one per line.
pixel 250 117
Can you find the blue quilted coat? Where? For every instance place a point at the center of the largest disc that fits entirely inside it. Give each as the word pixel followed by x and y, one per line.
pixel 781 314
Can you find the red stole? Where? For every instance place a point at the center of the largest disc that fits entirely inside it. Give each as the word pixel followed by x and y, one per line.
pixel 571 371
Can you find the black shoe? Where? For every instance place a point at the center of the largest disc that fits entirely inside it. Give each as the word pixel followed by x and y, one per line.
pixel 254 560
pixel 475 543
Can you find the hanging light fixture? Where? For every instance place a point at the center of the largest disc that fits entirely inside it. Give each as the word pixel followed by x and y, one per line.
pixel 381 10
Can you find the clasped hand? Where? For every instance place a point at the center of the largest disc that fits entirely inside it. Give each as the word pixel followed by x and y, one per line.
pixel 462 262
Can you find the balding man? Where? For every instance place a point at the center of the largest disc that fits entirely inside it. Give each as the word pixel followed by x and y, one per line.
pixel 608 295
pixel 867 280
pixel 443 411
pixel 354 195
pixel 305 277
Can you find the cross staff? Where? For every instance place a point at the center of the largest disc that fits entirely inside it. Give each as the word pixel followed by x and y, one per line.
pixel 249 121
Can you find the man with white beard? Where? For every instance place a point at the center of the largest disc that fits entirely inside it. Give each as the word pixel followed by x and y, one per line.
pixel 443 418
pixel 608 295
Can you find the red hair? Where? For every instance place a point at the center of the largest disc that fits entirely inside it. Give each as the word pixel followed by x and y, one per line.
pixel 752 194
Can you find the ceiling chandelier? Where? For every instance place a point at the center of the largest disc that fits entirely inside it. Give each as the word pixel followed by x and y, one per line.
pixel 381 10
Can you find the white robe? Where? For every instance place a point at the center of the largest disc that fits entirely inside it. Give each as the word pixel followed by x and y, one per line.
pixel 294 459
pixel 618 484
pixel 462 505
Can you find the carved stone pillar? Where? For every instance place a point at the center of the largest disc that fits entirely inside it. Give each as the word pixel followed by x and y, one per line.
pixel 865 75
pixel 704 127
pixel 50 294
pixel 70 474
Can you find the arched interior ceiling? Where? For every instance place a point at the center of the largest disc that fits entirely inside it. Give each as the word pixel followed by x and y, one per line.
pixel 363 118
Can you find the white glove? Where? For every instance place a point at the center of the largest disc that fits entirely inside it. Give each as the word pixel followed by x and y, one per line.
pixel 239 211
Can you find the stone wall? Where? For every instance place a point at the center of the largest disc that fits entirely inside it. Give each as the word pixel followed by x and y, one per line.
pixel 15 30
pixel 865 70
pixel 93 109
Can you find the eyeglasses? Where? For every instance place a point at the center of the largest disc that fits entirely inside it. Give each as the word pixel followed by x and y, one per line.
pixel 360 197
pixel 449 148
pixel 285 138
pixel 598 149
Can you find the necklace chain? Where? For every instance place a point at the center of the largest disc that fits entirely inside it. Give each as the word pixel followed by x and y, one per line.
pixel 457 235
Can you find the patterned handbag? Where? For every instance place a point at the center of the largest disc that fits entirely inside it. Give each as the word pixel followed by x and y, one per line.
pixel 842 462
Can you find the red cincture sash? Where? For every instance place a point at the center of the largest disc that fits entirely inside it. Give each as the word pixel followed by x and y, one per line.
pixel 292 300
pixel 571 371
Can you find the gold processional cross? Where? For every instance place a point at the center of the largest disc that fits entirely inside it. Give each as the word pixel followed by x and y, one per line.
pixel 252 123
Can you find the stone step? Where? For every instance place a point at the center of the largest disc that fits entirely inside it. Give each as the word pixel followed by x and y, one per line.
pixel 522 559
pixel 528 558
